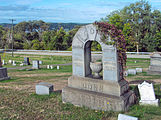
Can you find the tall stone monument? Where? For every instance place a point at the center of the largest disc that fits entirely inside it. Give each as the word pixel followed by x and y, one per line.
pixel 3 72
pixel 109 92
pixel 155 64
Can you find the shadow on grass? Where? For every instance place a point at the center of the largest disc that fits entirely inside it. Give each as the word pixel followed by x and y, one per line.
pixel 9 80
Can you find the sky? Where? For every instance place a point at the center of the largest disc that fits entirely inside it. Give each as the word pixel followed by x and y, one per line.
pixel 62 11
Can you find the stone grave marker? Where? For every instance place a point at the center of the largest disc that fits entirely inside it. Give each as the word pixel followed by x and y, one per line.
pixel 111 90
pixel 57 67
pixel 48 66
pixel 35 64
pixel 26 61
pixel 3 62
pixel 51 67
pixel 14 63
pixel 132 71
pixel 126 117
pixel 147 94
pixel 139 70
pixel 10 61
pixel 44 88
pixel 155 64
pixel 3 72
pixel 22 64
pixel 40 62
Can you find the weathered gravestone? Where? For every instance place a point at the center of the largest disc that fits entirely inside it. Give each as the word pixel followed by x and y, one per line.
pixel 139 70
pixel 26 61
pixel 111 91
pixel 147 94
pixel 132 71
pixel 44 88
pixel 35 64
pixel 155 64
pixel 3 72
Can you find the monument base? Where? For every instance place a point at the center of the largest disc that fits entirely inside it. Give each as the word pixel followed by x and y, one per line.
pixel 97 101
pixel 154 70
pixel 3 74
pixel 149 102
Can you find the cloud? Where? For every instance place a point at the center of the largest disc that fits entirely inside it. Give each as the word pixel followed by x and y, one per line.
pixel 14 8
pixel 27 2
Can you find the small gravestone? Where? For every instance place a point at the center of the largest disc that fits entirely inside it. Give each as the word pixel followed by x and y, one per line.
pixel 44 88
pixel 21 64
pixel 139 70
pixel 51 67
pixel 147 94
pixel 14 63
pixel 48 66
pixel 3 62
pixel 3 72
pixel 40 62
pixel 132 71
pixel 126 117
pixel 35 64
pixel 58 67
pixel 155 64
pixel 26 61
pixel 10 61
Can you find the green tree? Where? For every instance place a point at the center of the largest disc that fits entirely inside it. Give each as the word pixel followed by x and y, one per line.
pixel 36 44
pixel 57 40
pixel 139 25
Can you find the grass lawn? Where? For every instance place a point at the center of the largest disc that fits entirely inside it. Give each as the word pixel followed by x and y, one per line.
pixel 19 101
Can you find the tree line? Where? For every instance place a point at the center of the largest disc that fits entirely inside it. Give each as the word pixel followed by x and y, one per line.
pixel 138 22
pixel 36 35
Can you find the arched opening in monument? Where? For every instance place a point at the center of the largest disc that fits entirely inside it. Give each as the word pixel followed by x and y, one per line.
pixel 93 60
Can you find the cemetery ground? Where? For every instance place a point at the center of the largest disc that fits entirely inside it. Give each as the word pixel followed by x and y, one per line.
pixel 19 101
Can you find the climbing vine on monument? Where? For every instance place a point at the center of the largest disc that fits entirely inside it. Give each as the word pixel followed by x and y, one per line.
pixel 117 38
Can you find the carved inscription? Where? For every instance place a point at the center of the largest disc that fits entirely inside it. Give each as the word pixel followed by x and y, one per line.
pixel 83 35
pixel 92 87
pixel 98 102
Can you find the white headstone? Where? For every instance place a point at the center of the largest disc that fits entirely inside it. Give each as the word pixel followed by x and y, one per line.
pixel 139 70
pixel 3 62
pixel 13 63
pixel 147 94
pixel 40 62
pixel 51 67
pixel 58 68
pixel 126 117
pixel 10 61
pixel 21 64
pixel 48 66
pixel 132 71
pixel 35 64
